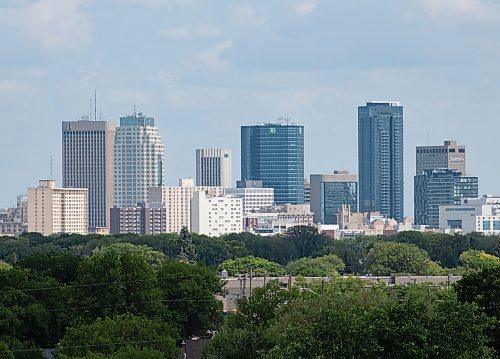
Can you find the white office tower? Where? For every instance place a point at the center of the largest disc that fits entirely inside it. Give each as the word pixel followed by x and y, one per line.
pixel 253 194
pixel 177 201
pixel 213 167
pixel 139 160
pixel 57 210
pixel 216 216
pixel 87 162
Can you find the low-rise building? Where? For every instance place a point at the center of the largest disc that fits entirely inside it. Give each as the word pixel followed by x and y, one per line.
pixel 140 220
pixel 57 210
pixel 472 215
pixel 216 215
pixel 177 202
pixel 252 193
pixel 14 221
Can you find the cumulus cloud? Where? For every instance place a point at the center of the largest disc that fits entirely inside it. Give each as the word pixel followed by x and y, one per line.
pixel 52 23
pixel 304 7
pixel 190 31
pixel 212 56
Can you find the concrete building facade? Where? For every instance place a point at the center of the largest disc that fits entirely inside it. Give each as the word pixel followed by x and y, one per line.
pixel 177 202
pixel 472 215
pixel 139 160
pixel 252 193
pixel 216 216
pixel 87 162
pixel 57 210
pixel 449 156
pixel 214 167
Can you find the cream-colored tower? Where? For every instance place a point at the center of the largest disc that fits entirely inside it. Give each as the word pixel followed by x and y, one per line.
pixel 177 201
pixel 57 210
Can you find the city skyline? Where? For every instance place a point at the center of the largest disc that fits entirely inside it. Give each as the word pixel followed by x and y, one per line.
pixel 204 73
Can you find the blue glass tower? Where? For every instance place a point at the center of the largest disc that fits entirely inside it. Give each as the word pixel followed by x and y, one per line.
pixel 380 158
pixel 274 154
pixel 441 187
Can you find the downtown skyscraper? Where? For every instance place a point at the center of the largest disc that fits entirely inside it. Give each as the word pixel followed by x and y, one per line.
pixel 214 167
pixel 139 160
pixel 274 154
pixel 380 158
pixel 87 162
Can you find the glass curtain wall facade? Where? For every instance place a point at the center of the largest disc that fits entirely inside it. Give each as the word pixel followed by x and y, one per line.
pixel 139 160
pixel 380 159
pixel 334 195
pixel 274 153
pixel 436 188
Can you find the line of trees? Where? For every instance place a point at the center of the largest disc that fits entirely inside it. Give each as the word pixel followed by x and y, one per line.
pixel 133 296
pixel 408 252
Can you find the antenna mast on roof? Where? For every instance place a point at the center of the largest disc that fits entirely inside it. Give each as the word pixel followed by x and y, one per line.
pixel 95 105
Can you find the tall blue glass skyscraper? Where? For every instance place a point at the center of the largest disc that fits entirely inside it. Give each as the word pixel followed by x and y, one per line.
pixel 380 158
pixel 274 153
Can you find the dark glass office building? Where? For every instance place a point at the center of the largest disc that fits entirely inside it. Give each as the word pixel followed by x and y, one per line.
pixel 380 159
pixel 440 187
pixel 274 154
pixel 329 192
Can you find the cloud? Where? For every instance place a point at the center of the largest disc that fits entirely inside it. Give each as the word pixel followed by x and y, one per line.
pixel 245 15
pixel 52 23
pixel 212 56
pixel 304 7
pixel 190 31
pixel 164 78
pixel 15 87
pixel 477 8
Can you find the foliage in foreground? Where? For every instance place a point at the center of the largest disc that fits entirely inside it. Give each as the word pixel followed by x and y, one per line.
pixel 351 320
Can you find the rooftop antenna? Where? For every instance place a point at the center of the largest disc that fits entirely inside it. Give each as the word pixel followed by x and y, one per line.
pixel 135 113
pixel 95 105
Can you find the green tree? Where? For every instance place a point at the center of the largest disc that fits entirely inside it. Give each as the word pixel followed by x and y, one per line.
pixel 325 266
pixel 307 240
pixel 189 292
pixel 387 258
pixel 483 288
pixel 61 266
pixel 476 260
pixel 116 282
pixel 244 334
pixel 4 266
pixel 152 257
pixel 118 337
pixel 259 266
pixel 187 250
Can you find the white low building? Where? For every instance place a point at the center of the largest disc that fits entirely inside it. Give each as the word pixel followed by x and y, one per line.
pixel 472 215
pixel 177 202
pixel 216 216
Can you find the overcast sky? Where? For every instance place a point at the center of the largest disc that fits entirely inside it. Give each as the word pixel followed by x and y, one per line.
pixel 203 68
